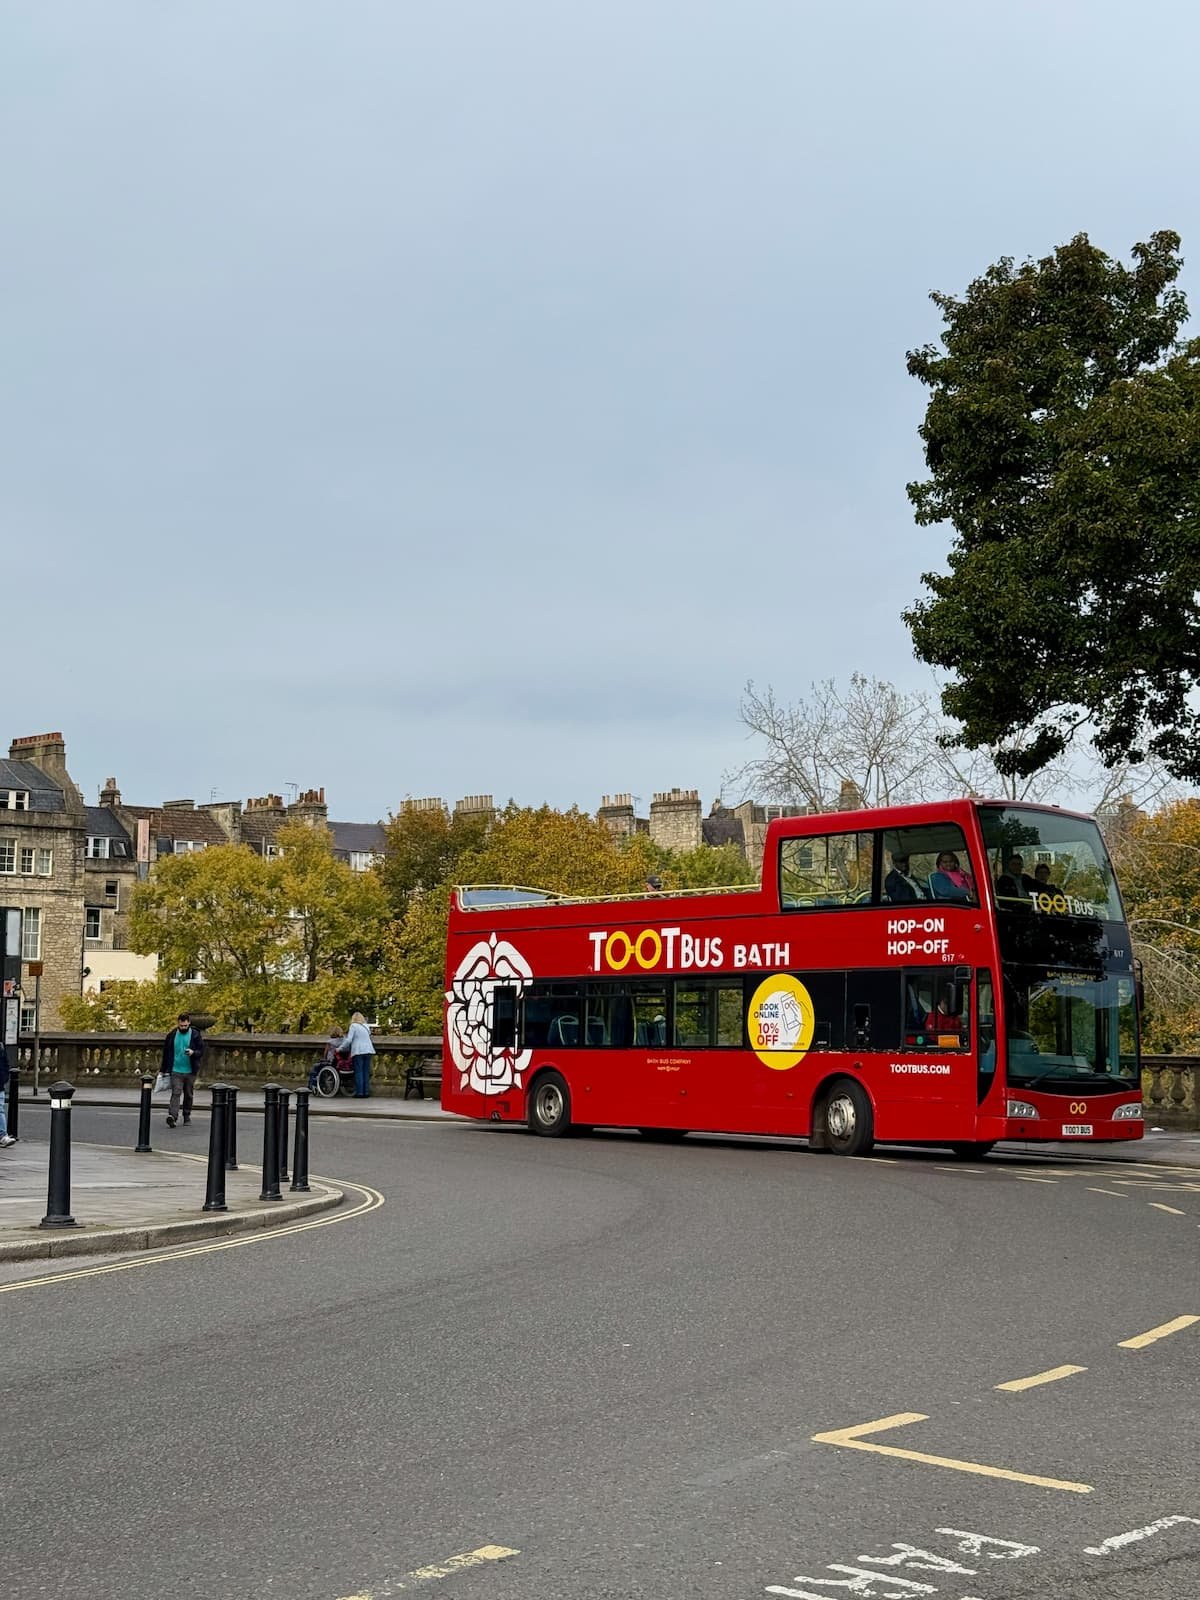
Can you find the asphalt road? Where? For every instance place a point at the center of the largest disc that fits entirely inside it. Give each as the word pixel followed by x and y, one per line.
pixel 600 1368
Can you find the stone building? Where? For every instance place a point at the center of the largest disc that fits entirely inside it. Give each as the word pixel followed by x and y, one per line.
pixel 43 828
pixel 676 822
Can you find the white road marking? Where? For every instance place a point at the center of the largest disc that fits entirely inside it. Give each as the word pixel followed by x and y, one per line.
pixel 1116 1193
pixel 1174 1210
pixel 1135 1535
pixel 1021 1178
pixel 973 1544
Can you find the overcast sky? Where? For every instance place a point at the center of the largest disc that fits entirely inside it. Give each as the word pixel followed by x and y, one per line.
pixel 470 397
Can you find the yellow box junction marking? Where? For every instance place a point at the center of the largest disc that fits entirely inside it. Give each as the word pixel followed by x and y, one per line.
pixel 1141 1340
pixel 1052 1375
pixel 853 1439
pixel 440 1569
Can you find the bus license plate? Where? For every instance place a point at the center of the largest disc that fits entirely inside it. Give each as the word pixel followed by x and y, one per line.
pixel 1080 1130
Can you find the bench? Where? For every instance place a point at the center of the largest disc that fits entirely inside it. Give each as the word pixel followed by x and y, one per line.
pixel 422 1075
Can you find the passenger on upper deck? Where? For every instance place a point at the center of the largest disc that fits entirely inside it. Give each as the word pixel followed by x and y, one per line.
pixel 1041 876
pixel 950 881
pixel 899 886
pixel 1014 882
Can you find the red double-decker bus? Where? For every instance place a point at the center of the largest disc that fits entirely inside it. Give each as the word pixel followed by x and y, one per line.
pixel 949 974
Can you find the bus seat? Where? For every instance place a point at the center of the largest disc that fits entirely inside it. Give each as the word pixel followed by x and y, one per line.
pixel 563 1030
pixel 595 1031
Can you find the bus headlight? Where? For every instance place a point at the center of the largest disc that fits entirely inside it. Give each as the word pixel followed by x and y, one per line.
pixel 1130 1113
pixel 1022 1108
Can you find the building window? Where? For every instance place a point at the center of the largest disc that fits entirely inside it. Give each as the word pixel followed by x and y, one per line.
pixel 185 847
pixel 39 862
pixel 31 934
pixel 14 800
pixel 270 851
pixel 110 888
pixel 362 860
pixel 91 922
pixel 97 849
pixel 28 1022
pixel 27 860
pixel 45 863
pixel 8 855
pixel 118 847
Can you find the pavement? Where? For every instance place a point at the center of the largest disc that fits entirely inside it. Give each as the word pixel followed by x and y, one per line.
pixel 123 1201
pixel 598 1368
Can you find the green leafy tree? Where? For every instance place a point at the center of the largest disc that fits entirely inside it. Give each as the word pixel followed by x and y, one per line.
pixel 127 1006
pixel 336 920
pixel 566 851
pixel 1157 858
pixel 222 914
pixel 422 847
pixel 1062 437
pixel 290 944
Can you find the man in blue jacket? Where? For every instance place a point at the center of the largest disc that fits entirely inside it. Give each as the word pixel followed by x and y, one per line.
pixel 182 1049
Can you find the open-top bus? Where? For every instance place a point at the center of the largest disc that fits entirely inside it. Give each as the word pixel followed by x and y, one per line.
pixel 950 974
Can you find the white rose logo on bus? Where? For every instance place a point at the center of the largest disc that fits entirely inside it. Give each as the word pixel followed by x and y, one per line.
pixel 781 1021
pixel 469 1016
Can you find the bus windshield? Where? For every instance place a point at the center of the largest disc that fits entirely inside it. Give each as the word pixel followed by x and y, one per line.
pixel 1050 864
pixel 1068 1031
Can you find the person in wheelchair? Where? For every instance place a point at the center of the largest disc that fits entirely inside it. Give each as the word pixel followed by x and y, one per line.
pixel 332 1059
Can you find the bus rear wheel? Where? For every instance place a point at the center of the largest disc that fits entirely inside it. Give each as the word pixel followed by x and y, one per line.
pixel 549 1109
pixel 973 1149
pixel 849 1124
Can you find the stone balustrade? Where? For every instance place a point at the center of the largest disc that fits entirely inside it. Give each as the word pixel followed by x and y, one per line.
pixel 257 1058
pixel 1171 1091
pixel 1170 1084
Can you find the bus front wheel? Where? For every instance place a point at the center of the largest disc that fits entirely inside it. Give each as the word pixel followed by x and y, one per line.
pixel 849 1125
pixel 549 1110
pixel 973 1149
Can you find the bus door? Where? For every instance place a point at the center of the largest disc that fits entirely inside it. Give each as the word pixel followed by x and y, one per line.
pixel 934 1080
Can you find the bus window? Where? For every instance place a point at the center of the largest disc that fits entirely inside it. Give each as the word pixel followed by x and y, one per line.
pixel 927 863
pixel 936 1011
pixel 708 1013
pixel 504 1017
pixel 552 1016
pixel 626 1013
pixel 873 1010
pixel 985 1014
pixel 828 869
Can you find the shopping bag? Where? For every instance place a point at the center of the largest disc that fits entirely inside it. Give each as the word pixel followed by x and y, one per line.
pixel 162 1084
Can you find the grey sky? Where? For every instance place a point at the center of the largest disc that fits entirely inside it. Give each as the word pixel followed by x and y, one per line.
pixel 471 396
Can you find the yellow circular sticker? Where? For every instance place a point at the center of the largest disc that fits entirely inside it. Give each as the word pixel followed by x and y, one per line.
pixel 781 1021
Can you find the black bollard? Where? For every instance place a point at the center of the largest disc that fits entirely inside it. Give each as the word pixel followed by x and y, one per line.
pixel 270 1165
pixel 285 1100
pixel 14 1103
pixel 143 1145
pixel 58 1195
pixel 300 1155
pixel 231 1131
pixel 214 1197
